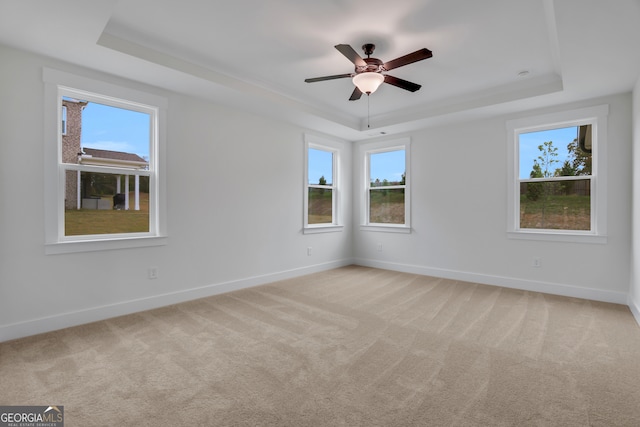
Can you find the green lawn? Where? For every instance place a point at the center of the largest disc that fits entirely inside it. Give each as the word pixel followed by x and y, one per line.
pixel 80 222
pixel 386 206
pixel 556 212
pixel 320 206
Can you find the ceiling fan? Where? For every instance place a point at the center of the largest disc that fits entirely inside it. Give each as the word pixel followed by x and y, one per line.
pixel 368 71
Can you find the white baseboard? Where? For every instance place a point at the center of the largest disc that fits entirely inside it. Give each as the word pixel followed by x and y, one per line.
pixel 94 314
pixel 635 308
pixel 79 317
pixel 506 282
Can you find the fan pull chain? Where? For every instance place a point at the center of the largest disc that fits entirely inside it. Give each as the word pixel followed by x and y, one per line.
pixel 368 113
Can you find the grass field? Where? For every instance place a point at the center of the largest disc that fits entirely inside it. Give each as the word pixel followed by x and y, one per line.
pixel 556 212
pixel 80 222
pixel 386 206
pixel 320 206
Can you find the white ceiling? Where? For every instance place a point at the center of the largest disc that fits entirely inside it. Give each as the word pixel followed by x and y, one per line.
pixel 256 54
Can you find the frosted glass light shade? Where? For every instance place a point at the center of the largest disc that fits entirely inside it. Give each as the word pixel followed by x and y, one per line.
pixel 368 82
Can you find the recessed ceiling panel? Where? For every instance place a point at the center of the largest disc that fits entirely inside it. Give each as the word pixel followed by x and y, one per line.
pixel 476 45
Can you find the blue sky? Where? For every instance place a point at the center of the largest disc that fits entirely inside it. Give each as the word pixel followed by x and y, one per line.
pixel 320 164
pixel 110 128
pixel 529 151
pixel 116 129
pixel 387 165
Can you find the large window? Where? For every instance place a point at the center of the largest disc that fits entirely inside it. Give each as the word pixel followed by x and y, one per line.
pixel 322 210
pixel 555 176
pixel 386 194
pixel 103 187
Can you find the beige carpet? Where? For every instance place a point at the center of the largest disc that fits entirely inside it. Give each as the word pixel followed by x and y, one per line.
pixel 353 346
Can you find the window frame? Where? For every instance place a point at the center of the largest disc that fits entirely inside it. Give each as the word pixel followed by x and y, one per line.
pixel 597 117
pixel 336 148
pixel 365 157
pixel 59 84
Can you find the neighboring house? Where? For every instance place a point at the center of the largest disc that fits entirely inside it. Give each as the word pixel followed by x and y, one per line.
pixel 71 146
pixel 76 196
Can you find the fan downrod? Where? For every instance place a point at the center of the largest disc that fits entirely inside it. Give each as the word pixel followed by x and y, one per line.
pixel 368 48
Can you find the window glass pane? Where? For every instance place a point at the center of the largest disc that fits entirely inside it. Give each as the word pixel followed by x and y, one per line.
pixel 120 133
pixel 556 205
pixel 64 120
pixel 105 136
pixel 320 167
pixel 555 152
pixel 386 206
pixel 320 206
pixel 387 168
pixel 102 206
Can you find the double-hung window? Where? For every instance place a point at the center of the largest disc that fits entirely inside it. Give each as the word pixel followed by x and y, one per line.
pixel 386 195
pixel 102 154
pixel 557 176
pixel 322 210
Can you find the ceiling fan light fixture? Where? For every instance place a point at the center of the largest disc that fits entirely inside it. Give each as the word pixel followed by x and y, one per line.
pixel 368 82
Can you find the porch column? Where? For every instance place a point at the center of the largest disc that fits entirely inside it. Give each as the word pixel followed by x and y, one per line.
pixel 78 192
pixel 137 195
pixel 126 192
pixel 118 184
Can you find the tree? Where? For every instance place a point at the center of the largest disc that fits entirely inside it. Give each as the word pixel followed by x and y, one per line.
pixel 534 189
pixel 580 159
pixel 578 164
pixel 321 181
pixel 567 170
pixel 543 168
pixel 547 158
pixel 537 171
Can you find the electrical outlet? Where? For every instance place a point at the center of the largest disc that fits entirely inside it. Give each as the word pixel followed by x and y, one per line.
pixel 152 273
pixel 536 263
pixel 379 247
pixel 309 251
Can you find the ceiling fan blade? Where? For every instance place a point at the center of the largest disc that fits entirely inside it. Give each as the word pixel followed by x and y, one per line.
pixel 410 58
pixel 355 95
pixel 320 79
pixel 402 84
pixel 351 54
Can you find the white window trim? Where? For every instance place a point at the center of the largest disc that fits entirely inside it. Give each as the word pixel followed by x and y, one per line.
pixel 57 82
pixel 597 116
pixel 364 154
pixel 336 148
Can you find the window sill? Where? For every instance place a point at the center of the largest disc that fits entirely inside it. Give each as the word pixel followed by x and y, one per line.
pixel 323 229
pixel 386 228
pixel 103 245
pixel 557 236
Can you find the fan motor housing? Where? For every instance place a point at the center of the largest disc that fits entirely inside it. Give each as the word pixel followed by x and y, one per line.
pixel 374 65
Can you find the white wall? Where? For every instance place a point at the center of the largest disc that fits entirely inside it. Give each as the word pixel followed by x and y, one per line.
pixel 634 292
pixel 235 213
pixel 235 197
pixel 459 215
